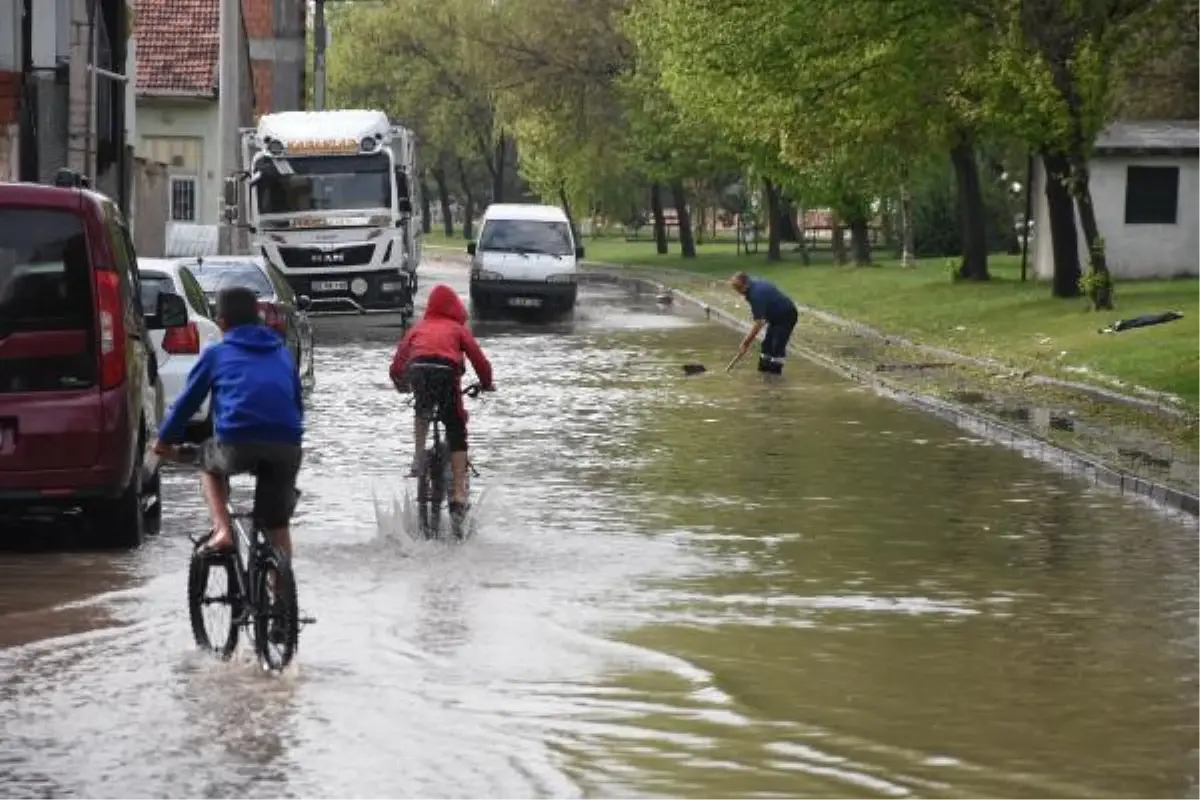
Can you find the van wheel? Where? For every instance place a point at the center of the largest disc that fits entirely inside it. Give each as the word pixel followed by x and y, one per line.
pixel 119 522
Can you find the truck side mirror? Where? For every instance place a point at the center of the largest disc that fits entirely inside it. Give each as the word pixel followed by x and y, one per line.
pixel 470 248
pixel 579 251
pixel 405 205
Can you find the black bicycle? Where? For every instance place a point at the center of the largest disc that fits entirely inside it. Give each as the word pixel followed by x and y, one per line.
pixel 259 591
pixel 436 478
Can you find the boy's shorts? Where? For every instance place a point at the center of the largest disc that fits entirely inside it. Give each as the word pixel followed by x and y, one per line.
pixel 275 466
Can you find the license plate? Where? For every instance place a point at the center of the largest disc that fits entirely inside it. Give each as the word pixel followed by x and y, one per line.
pixel 526 302
pixel 392 287
pixel 330 286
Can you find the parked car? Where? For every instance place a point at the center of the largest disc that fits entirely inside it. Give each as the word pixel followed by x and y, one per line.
pixel 79 390
pixel 278 305
pixel 526 257
pixel 178 349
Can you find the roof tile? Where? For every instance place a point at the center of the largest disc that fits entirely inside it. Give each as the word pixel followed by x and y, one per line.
pixel 177 46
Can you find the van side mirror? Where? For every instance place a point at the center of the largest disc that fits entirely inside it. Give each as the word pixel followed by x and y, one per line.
pixel 171 312
pixel 470 248
pixel 579 251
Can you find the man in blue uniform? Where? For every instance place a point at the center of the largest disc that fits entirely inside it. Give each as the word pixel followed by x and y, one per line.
pixel 775 310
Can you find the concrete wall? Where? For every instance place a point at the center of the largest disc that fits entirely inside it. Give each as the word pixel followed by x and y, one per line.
pixel 1134 251
pixel 185 118
pixel 150 187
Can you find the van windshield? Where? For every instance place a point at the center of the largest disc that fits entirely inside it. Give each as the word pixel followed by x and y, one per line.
pixel 526 236
pixel 45 283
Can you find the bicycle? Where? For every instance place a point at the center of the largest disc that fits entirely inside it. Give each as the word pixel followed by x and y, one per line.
pixel 260 587
pixel 436 477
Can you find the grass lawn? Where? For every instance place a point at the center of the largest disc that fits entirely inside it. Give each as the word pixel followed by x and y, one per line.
pixel 1018 323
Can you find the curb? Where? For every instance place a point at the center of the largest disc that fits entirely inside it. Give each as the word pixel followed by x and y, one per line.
pixel 995 430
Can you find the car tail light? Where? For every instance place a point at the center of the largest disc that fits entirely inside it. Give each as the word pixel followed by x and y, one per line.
pixel 112 328
pixel 269 314
pixel 185 339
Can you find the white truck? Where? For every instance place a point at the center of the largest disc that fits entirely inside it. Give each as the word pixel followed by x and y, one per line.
pixel 331 199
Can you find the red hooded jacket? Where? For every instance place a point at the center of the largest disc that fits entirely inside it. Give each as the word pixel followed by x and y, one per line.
pixel 443 333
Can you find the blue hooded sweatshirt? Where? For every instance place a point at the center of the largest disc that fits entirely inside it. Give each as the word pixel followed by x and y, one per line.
pixel 255 390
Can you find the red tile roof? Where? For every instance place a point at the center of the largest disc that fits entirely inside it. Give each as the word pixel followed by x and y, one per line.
pixel 177 46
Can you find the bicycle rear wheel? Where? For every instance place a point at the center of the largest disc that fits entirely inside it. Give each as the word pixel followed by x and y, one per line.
pixel 277 618
pixel 222 638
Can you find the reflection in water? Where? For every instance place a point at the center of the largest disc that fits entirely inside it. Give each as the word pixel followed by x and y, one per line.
pixel 701 586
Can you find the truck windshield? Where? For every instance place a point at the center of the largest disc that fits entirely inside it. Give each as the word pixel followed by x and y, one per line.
pixel 326 183
pixel 526 236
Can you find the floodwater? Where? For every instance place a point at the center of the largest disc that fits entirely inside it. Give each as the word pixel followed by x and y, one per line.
pixel 715 586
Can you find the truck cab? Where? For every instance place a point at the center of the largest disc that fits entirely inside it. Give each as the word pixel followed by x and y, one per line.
pixel 330 203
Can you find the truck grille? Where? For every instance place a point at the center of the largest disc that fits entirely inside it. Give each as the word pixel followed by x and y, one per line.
pixel 311 257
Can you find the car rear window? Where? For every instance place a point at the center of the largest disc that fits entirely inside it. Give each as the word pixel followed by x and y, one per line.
pixel 45 280
pixel 215 277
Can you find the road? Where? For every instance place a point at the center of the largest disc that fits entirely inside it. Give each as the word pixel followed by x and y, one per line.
pixel 710 586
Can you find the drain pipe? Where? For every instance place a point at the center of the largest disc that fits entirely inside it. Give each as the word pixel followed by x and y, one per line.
pixel 89 162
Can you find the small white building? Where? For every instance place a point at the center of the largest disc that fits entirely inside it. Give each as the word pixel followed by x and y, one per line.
pixel 177 120
pixel 1145 181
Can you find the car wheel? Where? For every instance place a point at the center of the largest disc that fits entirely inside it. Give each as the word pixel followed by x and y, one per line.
pixel 119 522
pixel 152 502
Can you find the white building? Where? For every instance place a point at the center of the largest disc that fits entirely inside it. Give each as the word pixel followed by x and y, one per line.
pixel 1145 178
pixel 178 53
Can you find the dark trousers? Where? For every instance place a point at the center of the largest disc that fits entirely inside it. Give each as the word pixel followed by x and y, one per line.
pixel 775 342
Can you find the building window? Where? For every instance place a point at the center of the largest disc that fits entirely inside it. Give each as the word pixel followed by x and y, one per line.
pixel 183 199
pixel 1151 195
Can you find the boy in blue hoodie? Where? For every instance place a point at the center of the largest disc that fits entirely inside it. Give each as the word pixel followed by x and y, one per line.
pixel 258 419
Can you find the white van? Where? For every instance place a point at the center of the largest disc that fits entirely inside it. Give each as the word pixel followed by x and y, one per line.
pixel 526 257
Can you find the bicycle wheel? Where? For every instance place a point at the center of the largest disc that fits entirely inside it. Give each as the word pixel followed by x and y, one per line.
pixel 222 638
pixel 277 617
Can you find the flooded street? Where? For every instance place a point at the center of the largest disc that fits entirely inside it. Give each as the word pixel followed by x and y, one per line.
pixel 714 586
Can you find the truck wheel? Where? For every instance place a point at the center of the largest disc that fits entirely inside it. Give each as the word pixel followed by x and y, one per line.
pixel 119 522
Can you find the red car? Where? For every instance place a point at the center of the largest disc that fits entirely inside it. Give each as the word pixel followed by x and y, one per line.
pixel 79 391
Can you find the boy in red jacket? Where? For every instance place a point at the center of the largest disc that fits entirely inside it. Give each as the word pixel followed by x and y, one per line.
pixel 429 362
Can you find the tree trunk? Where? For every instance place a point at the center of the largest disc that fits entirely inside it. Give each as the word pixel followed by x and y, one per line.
pixel 687 245
pixel 801 235
pixel 426 216
pixel 970 208
pixel 1100 286
pixel 439 179
pixel 501 151
pixel 907 241
pixel 786 215
pixel 701 224
pixel 566 206
pixel 468 202
pixel 860 239
pixel 660 222
pixel 837 240
pixel 774 234
pixel 1064 235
